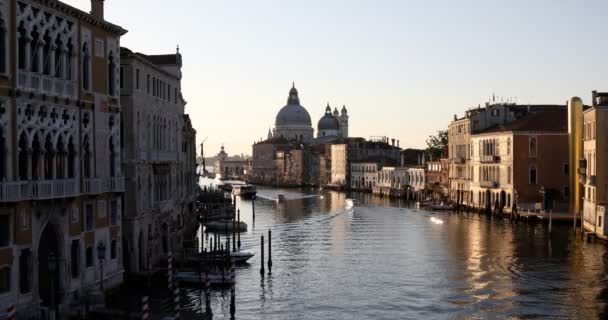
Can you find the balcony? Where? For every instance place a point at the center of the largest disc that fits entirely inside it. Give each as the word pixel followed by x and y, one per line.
pixel 91 186
pixel 38 190
pixel 46 84
pixel 114 184
pixel 489 184
pixel 489 159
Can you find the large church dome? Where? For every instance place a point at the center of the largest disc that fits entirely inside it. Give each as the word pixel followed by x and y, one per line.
pixel 293 113
pixel 328 121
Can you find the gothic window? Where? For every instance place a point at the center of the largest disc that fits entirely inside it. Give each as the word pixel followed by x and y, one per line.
pixel 69 73
pixel 48 158
pixel 533 147
pixel 71 159
pixel 36 155
pixel 111 75
pixel 35 55
pixel 86 67
pixel 46 53
pixel 59 158
pixel 23 161
pixel 532 175
pixel 58 58
pixel 508 175
pixel 88 170
pixel 22 47
pixel 137 79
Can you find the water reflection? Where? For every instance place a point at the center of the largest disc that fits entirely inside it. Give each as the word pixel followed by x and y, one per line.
pixel 384 260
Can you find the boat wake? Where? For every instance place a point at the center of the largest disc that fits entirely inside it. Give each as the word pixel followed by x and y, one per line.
pixel 436 220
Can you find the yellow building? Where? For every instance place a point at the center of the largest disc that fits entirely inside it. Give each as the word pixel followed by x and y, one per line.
pixel 60 175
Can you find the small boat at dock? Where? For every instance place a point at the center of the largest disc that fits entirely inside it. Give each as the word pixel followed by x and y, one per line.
pixel 351 203
pixel 240 257
pixel 441 207
pixel 281 198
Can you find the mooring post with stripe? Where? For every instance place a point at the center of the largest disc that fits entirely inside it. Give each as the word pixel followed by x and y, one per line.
pixel 269 251
pixel 176 304
pixel 10 312
pixel 262 255
pixel 170 271
pixel 145 308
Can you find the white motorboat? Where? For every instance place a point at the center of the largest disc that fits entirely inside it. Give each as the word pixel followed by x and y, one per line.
pixel 436 220
pixel 244 190
pixel 350 203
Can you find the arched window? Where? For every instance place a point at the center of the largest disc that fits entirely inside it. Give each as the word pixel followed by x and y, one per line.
pixel 71 159
pixel 22 47
pixel 509 175
pixel 69 73
pixel 59 67
pixel 35 52
pixel 111 75
pixel 87 166
pixel 46 53
pixel 23 163
pixel 533 147
pixel 36 155
pixel 86 67
pixel 60 158
pixel 533 175
pixel 48 158
pixel 508 146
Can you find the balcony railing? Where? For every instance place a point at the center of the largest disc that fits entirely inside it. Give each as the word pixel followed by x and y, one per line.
pixel 91 186
pixel 489 184
pixel 47 84
pixel 114 184
pixel 38 190
pixel 459 160
pixel 489 159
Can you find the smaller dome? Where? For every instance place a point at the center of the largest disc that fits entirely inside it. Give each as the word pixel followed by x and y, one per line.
pixel 328 121
pixel 336 113
pixel 344 111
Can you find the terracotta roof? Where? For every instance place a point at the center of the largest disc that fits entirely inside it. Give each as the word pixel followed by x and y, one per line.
pixel 550 120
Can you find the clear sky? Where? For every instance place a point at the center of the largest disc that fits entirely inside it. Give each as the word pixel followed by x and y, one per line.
pixel 402 68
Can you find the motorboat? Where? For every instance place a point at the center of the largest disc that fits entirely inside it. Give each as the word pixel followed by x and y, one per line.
pixel 224 225
pixel 244 190
pixel 240 257
pixel 281 198
pixel 436 220
pixel 193 277
pixel 351 202
pixel 441 207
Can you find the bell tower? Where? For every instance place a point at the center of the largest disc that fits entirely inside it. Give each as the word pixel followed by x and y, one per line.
pixel 343 122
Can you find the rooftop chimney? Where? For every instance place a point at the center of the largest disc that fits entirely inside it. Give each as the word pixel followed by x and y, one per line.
pixel 397 143
pixel 97 8
pixel 393 142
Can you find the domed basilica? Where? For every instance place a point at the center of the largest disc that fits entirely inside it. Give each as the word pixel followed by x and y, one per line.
pixel 293 123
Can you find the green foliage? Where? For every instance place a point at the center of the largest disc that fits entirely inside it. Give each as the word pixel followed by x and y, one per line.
pixel 436 144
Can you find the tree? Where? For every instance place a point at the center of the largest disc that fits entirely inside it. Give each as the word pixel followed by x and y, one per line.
pixel 437 144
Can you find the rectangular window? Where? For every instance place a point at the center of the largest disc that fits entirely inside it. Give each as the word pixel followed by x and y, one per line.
pixel 168 92
pixel 137 79
pixel 175 95
pixel 148 83
pixel 566 169
pixel 113 250
pixel 599 221
pixel 88 219
pixel 99 48
pixel 75 216
pixel 75 259
pixel 89 257
pixel 113 212
pixel 5 230
pixel 101 206
pixel 25 271
pixel 5 279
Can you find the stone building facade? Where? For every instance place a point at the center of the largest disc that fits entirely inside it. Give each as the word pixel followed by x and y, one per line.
pixel 61 181
pixel 159 158
pixel 512 163
pixel 595 175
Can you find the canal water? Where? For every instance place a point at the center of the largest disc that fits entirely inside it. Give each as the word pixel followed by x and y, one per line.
pixel 383 260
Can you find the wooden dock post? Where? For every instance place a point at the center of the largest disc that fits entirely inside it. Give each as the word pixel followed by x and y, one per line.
pixel 253 208
pixel 269 251
pixel 232 291
pixel 208 311
pixel 262 255
pixel 239 224
pixel 234 231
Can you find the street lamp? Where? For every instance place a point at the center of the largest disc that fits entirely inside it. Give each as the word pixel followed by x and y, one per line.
pixel 52 261
pixel 101 255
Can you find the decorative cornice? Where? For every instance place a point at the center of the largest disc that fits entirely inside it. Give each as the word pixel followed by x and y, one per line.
pixel 83 16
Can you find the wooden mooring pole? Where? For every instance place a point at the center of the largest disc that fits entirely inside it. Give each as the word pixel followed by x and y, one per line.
pixel 262 256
